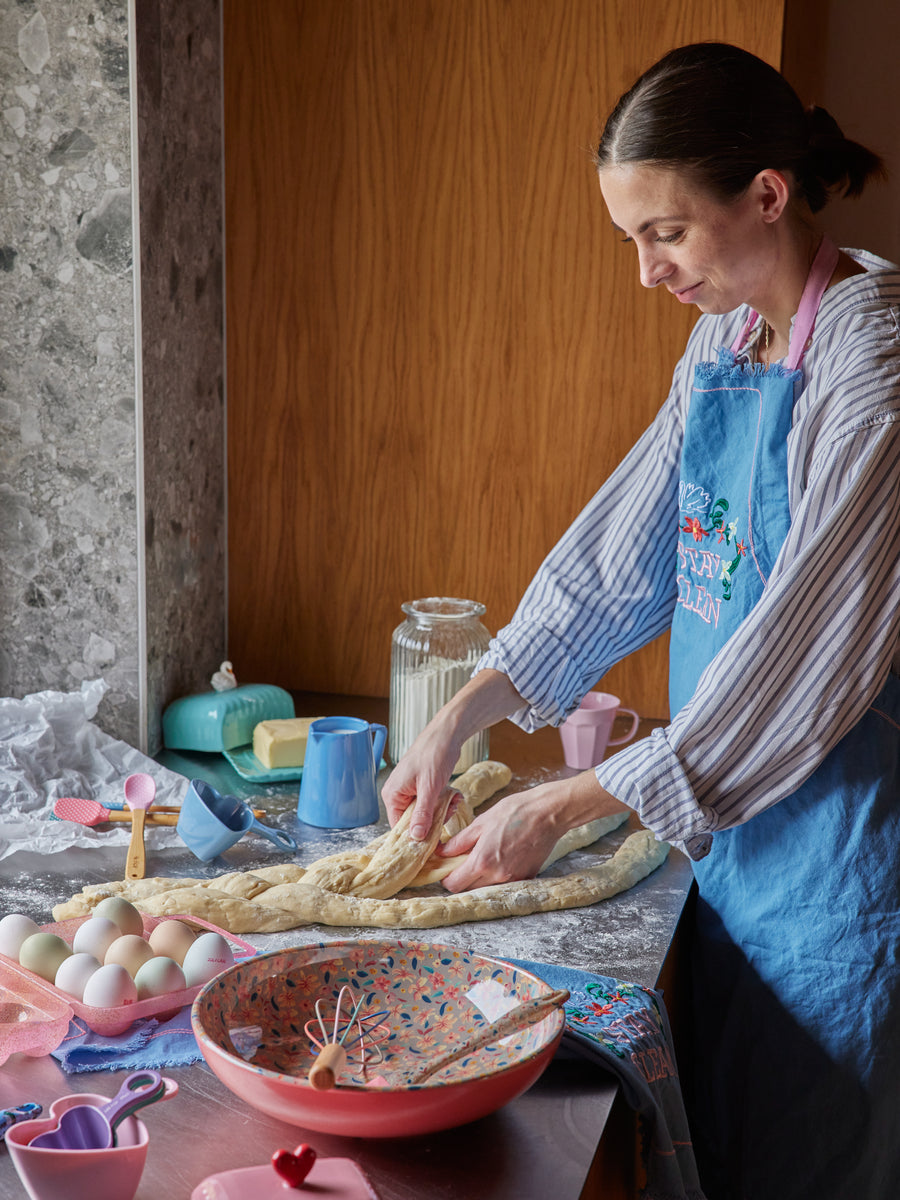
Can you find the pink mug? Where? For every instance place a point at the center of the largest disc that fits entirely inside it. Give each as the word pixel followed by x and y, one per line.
pixel 585 732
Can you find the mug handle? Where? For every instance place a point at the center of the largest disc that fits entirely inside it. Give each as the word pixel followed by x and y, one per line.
pixel 282 840
pixel 635 721
pixel 379 733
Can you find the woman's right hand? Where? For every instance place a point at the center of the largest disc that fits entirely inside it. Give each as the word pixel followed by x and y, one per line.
pixel 423 773
pixel 420 778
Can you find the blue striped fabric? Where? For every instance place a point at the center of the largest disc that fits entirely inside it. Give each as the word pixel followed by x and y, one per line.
pixel 815 651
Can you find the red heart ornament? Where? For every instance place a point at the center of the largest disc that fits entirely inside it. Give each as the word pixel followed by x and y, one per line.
pixel 294 1168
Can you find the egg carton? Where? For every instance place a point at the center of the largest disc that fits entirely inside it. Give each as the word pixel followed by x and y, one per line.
pixel 35 1015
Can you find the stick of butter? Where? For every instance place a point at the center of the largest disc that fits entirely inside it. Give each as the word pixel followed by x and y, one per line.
pixel 281 742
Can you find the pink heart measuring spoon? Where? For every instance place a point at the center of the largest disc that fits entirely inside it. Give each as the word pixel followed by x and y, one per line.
pixel 86 1127
pixel 140 792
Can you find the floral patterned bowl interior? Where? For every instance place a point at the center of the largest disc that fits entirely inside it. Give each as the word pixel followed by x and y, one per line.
pixel 415 1001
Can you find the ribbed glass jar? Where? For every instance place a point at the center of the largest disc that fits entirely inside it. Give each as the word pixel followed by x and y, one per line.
pixel 433 653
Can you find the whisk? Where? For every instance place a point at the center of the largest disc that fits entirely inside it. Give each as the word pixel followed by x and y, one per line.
pixel 338 1047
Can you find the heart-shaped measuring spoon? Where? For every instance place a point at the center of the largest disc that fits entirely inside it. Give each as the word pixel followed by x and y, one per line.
pixel 86 1127
pixel 140 792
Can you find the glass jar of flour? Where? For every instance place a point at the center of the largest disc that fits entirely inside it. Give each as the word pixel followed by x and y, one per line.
pixel 432 655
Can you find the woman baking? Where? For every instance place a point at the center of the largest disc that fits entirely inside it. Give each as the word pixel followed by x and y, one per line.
pixel 758 518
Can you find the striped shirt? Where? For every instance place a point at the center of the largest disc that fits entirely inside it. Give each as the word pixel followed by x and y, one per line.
pixel 815 651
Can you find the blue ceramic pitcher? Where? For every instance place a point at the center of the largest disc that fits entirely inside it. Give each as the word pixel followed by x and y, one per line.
pixel 338 789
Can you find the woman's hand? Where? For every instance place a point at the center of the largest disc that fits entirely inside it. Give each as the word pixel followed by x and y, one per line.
pixel 513 838
pixel 423 772
pixel 421 778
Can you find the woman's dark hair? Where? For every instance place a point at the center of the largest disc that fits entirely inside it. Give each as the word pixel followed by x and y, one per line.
pixel 725 115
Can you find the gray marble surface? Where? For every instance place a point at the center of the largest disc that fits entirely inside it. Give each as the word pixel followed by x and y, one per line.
pixel 541 1144
pixel 68 533
pixel 626 936
pixel 112 451
pixel 179 104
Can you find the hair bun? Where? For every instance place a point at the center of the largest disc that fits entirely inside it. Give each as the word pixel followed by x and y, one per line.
pixel 822 129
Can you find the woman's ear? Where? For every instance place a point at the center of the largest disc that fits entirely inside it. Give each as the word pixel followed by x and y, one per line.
pixel 772 191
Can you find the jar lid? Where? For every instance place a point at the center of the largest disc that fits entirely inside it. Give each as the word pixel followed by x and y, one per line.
pixel 443 608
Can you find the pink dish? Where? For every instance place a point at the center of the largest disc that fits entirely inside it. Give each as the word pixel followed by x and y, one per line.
pixel 110 1174
pixel 34 1018
pixel 335 1178
pixel 33 1012
pixel 249 1022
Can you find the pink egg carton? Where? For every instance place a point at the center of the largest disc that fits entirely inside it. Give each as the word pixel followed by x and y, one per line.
pixel 35 1015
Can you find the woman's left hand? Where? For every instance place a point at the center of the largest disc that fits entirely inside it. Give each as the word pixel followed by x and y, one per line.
pixel 513 838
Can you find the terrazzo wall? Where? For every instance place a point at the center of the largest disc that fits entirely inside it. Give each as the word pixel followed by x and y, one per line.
pixel 181 248
pixel 111 411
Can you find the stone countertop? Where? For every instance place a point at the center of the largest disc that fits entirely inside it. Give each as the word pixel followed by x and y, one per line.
pixel 627 936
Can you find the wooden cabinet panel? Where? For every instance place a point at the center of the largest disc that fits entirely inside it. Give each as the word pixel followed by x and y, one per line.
pixel 437 347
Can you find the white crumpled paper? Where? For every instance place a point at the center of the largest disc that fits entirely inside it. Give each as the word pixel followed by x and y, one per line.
pixel 49 748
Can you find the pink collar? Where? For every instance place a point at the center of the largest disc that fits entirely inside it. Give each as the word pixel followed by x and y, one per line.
pixel 801 333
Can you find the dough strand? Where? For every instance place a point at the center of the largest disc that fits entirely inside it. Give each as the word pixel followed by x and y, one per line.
pixel 359 887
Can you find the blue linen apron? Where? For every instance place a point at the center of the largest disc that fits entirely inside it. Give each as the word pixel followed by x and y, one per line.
pixel 796 956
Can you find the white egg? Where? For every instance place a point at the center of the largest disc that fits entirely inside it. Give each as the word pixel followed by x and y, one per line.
pixel 172 939
pixel 42 953
pixel 125 915
pixel 130 952
pixel 74 972
pixel 95 936
pixel 14 929
pixel 158 976
pixel 110 987
pixel 207 957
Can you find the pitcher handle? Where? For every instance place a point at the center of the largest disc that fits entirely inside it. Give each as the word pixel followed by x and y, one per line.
pixel 379 733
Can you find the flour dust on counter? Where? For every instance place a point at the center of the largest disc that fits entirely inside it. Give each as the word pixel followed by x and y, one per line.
pixel 30 893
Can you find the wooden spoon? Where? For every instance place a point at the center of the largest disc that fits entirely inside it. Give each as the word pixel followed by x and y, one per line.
pixel 517 1018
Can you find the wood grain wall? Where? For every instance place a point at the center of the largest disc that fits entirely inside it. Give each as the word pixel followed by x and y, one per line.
pixel 437 347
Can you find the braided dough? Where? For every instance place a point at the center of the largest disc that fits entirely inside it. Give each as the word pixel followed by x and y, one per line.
pixel 358 888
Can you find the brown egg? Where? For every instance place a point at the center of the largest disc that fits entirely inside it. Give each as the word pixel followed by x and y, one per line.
pixel 172 939
pixel 129 951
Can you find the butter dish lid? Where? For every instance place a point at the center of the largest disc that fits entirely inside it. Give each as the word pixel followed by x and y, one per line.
pixel 34 1017
pixel 219 721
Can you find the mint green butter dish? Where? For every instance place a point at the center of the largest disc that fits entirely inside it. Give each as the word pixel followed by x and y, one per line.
pixel 219 721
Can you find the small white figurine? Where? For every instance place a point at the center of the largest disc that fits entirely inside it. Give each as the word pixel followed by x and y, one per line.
pixel 224 679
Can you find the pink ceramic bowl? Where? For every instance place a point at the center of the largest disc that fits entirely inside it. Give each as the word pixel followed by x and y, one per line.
pixel 251 1020
pixel 112 1174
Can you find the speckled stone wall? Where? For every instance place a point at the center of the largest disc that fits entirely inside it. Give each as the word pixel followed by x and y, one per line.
pixel 84 451
pixel 68 536
pixel 180 186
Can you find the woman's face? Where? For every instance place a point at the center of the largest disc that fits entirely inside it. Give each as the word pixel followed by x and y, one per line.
pixel 707 252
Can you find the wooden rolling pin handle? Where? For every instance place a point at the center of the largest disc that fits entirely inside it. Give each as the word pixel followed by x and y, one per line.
pixel 154 816
pixel 329 1063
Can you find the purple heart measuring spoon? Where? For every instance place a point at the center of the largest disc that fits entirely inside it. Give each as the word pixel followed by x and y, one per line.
pixel 86 1127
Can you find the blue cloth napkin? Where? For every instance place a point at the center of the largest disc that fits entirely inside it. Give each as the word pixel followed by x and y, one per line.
pixel 624 1028
pixel 147 1044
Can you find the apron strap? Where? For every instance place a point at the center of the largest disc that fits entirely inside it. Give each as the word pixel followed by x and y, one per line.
pixel 821 271
pixel 738 344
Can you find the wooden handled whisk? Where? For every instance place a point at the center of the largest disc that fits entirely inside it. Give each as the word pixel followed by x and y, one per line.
pixel 342 1042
